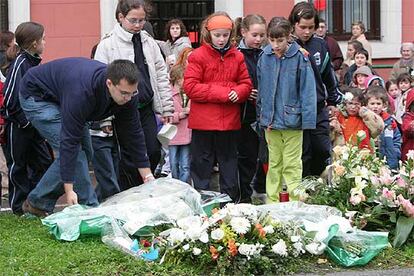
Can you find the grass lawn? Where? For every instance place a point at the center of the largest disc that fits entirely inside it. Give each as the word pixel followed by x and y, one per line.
pixel 26 248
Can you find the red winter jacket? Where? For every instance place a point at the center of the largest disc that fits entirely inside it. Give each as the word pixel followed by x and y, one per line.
pixel 208 80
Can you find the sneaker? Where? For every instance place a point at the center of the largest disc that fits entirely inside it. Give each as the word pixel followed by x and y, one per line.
pixel 28 208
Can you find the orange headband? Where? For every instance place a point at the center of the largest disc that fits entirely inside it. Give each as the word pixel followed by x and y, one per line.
pixel 219 22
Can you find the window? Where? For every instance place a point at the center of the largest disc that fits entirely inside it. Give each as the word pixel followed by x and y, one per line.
pixel 190 12
pixel 339 15
pixel 4 16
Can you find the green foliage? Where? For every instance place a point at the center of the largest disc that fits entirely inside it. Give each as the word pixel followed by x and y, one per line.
pixel 403 230
pixel 27 248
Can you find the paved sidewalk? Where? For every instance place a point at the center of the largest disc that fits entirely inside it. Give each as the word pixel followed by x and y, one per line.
pixel 390 272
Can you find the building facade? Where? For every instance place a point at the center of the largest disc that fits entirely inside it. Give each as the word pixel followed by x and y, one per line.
pixel 73 27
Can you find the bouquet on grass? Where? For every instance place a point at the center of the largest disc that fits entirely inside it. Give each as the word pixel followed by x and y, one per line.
pixel 238 239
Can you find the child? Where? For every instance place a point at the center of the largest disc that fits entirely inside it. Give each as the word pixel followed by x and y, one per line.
pixel 217 82
pixel 392 89
pixel 286 106
pixel 179 146
pixel 404 84
pixel 352 118
pixel 361 59
pixel 359 77
pixel 27 153
pixel 353 47
pixel 253 32
pixel 408 128
pixel 374 80
pixel 389 143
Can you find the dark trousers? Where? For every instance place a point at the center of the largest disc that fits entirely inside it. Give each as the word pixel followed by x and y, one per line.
pixel 105 164
pixel 316 146
pixel 222 145
pixel 247 160
pixel 28 158
pixel 129 177
pixel 259 183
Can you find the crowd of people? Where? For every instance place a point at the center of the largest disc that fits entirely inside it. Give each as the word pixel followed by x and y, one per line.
pixel 263 102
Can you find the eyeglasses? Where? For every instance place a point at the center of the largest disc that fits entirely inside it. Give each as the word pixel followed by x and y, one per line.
pixel 128 94
pixel 135 21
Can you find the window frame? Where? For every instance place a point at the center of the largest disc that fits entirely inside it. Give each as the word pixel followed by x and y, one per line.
pixel 4 15
pixel 194 12
pixel 336 26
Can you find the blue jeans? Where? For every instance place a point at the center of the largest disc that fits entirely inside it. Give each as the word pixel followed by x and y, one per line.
pixel 180 162
pixel 46 118
pixel 105 163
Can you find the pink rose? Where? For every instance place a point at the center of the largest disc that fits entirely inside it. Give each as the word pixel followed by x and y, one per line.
pixel 401 182
pixel 374 180
pixel 357 199
pixel 390 195
pixel 386 179
pixel 407 206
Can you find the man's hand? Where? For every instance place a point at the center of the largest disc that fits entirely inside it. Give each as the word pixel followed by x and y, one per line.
pixel 146 174
pixel 71 196
pixel 233 96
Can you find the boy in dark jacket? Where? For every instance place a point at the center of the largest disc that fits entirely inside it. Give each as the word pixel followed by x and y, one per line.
pixel 389 142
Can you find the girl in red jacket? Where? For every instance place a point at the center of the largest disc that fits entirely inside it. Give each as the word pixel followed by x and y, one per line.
pixel 217 82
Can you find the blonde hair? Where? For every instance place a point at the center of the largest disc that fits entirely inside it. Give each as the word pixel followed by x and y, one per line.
pixel 205 36
pixel 176 74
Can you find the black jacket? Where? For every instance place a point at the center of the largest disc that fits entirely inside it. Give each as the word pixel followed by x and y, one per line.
pixel 326 83
pixel 12 110
pixel 251 57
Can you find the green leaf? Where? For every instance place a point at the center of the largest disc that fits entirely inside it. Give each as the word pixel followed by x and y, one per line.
pixel 393 217
pixel 403 230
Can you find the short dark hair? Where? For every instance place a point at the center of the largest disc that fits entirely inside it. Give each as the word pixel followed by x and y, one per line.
pixel 376 92
pixel 303 10
pixel 363 52
pixel 122 69
pixel 279 27
pixel 356 92
pixel 404 77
